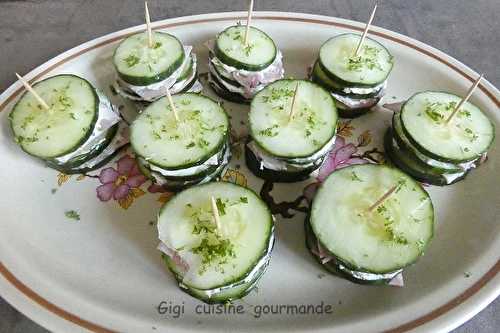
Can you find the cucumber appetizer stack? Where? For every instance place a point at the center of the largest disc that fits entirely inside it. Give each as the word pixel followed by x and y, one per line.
pixel 423 144
pixel 78 129
pixel 238 70
pixel 292 128
pixel 146 73
pixel 368 222
pixel 182 148
pixel 357 82
pixel 216 254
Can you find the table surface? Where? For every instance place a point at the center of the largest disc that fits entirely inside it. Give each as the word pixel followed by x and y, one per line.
pixel 34 31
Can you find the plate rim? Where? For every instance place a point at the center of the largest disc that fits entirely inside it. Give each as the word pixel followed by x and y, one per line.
pixel 460 308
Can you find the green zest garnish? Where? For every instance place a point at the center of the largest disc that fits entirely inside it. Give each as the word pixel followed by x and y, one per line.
pixel 367 59
pixel 221 206
pixel 435 110
pixel 269 131
pixel 354 177
pixel 248 49
pixel 218 251
pixel 71 214
pixel 131 60
pixel 278 94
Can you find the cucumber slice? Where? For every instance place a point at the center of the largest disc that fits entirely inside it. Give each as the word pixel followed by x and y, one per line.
pixel 230 48
pixel 227 293
pixel 312 127
pixel 93 152
pixel 405 143
pixel 465 138
pixel 413 166
pixel 277 176
pixel 335 266
pixel 319 76
pixel 188 70
pixel 140 65
pixel 215 258
pixel 201 132
pixel 370 68
pixel 389 238
pixel 74 109
pixel 219 88
pixel 117 143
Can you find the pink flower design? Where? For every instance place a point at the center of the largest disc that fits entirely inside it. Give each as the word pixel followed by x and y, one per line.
pixel 119 183
pixel 339 157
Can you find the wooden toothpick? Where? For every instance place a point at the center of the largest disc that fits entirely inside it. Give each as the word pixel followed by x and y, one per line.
pixel 215 213
pixel 292 108
pixel 249 19
pixel 148 25
pixel 172 106
pixel 383 198
pixel 465 99
pixel 365 32
pixel 33 92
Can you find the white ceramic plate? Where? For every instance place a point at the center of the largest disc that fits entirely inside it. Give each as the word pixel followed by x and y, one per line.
pixel 103 272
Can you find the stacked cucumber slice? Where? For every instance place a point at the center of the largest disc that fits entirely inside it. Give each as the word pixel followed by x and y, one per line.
pixel 177 153
pixel 238 70
pixel 146 73
pixel 216 263
pixel 356 82
pixel 369 245
pixel 422 143
pixel 285 147
pixel 79 132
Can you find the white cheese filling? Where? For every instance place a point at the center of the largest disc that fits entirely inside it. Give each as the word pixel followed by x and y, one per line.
pixel 107 117
pixel 161 180
pixel 364 90
pixel 449 177
pixel 251 81
pixel 120 139
pixel 268 161
pixel 156 90
pixel 358 103
pixel 213 160
pixel 256 271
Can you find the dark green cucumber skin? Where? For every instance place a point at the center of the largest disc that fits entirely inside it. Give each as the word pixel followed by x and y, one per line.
pixel 405 147
pixel 270 233
pixel 209 153
pixel 197 176
pixel 147 80
pixel 309 241
pixel 347 83
pixel 186 73
pixel 241 65
pixel 253 165
pixel 77 170
pixel 353 113
pixel 215 299
pixel 144 104
pixel 177 185
pixel 300 156
pixel 419 171
pixel 432 155
pixel 344 112
pixel 79 160
pixel 232 82
pixel 84 138
pixel 336 86
pixel 226 94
